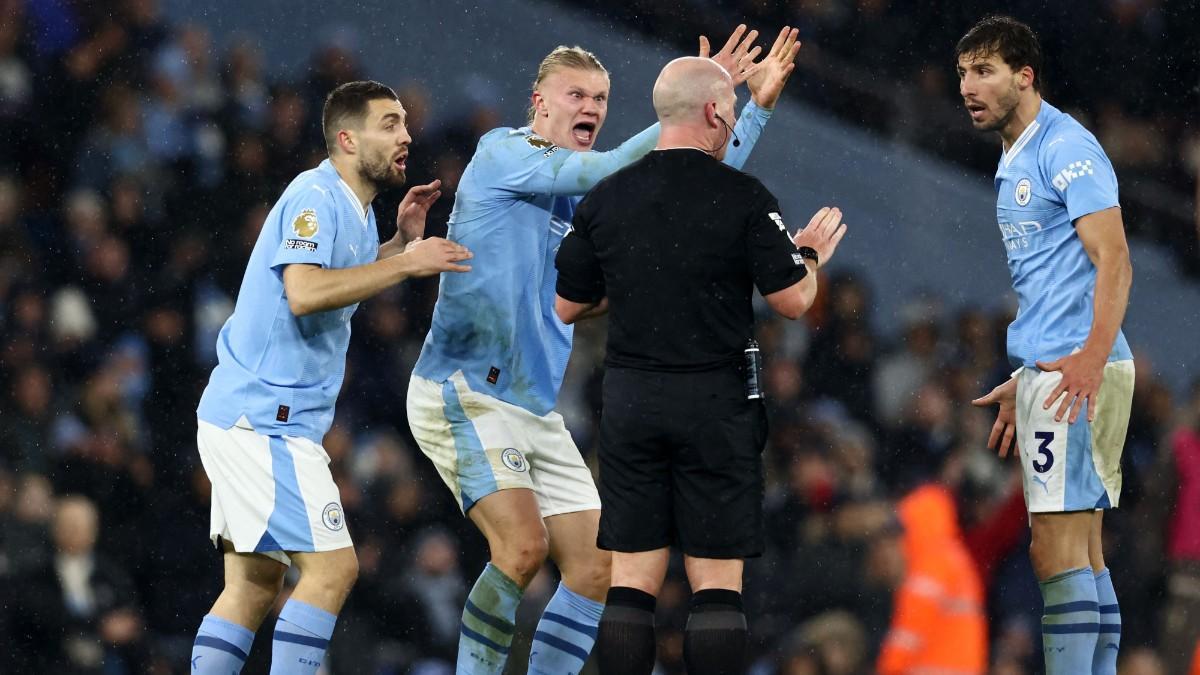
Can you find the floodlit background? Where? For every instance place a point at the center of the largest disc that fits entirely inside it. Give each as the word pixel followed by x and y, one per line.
pixel 143 141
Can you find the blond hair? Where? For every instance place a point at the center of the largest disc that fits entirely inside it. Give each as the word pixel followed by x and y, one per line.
pixel 565 57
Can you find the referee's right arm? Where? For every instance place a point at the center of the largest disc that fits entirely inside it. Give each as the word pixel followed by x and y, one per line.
pixel 776 275
pixel 580 290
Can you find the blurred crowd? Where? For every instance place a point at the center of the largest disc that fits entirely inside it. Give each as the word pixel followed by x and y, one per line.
pixel 137 163
pixel 1127 69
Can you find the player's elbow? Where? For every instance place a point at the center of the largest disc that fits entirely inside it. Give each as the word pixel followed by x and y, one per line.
pixel 297 288
pixel 300 306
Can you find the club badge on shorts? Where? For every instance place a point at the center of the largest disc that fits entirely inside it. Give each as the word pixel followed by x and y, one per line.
pixel 332 516
pixel 514 460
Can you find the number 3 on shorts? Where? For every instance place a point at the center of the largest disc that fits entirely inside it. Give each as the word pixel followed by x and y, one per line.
pixel 1046 437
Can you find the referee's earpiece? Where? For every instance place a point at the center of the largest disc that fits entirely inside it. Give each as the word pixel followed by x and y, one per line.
pixel 736 142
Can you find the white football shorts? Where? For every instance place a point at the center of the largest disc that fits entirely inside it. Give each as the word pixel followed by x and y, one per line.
pixel 1073 467
pixel 270 494
pixel 481 445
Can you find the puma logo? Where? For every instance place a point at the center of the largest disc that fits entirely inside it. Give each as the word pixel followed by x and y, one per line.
pixel 1039 481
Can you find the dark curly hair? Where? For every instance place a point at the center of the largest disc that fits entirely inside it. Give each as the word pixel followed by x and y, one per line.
pixel 1014 42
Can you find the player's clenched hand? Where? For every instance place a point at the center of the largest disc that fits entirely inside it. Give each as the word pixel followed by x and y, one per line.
pixel 738 54
pixel 823 232
pixel 427 257
pixel 410 217
pixel 766 83
pixel 1082 373
pixel 1005 428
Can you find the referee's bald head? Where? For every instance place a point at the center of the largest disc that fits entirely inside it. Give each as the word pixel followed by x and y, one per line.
pixel 686 85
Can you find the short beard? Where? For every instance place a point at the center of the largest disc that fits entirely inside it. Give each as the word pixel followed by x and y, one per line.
pixel 1009 105
pixel 379 172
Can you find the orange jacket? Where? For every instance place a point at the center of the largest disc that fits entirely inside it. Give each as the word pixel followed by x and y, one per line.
pixel 938 624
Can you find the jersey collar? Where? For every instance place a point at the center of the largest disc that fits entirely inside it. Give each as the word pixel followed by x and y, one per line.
pixel 359 208
pixel 1026 136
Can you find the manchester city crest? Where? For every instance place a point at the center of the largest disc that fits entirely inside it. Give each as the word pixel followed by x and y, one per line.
pixel 514 460
pixel 332 516
pixel 1023 192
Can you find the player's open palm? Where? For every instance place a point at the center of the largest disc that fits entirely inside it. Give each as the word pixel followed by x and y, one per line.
pixel 738 54
pixel 410 217
pixel 766 82
pixel 1082 374
pixel 427 257
pixel 1004 430
pixel 823 232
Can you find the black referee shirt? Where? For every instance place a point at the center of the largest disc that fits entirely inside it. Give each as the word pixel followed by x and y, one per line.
pixel 677 241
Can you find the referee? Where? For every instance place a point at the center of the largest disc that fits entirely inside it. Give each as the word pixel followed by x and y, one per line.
pixel 673 246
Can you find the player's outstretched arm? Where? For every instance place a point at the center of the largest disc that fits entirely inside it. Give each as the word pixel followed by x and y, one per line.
pixel 767 81
pixel 558 171
pixel 737 55
pixel 766 84
pixel 311 288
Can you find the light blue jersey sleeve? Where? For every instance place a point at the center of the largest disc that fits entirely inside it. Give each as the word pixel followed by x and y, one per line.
pixel 749 127
pixel 309 228
pixel 1079 172
pixel 535 166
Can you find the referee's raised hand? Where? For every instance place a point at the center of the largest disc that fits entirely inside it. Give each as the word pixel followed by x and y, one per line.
pixel 823 232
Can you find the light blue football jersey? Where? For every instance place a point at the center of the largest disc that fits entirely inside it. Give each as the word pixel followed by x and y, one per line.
pixel 514 205
pixel 1055 173
pixel 281 371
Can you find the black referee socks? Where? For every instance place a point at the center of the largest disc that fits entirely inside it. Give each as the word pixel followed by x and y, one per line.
pixel 625 643
pixel 715 640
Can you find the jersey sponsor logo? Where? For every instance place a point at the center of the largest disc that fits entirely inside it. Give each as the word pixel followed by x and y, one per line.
pixel 514 460
pixel 332 516
pixel 305 225
pixel 550 151
pixel 1074 170
pixel 778 220
pixel 1016 237
pixel 797 259
pixel 300 244
pixel 1024 192
pixel 538 142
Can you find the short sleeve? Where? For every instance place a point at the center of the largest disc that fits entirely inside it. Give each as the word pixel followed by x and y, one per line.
pixel 774 261
pixel 580 278
pixel 1079 172
pixel 309 227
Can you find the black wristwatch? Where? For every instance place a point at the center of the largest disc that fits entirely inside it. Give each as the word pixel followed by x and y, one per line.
pixel 809 253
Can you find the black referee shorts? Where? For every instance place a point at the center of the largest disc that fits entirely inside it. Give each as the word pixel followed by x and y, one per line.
pixel 681 463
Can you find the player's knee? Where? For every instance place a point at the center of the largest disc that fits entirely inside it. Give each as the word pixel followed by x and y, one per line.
pixel 344 572
pixel 522 556
pixel 1047 559
pixel 256 592
pixel 591 576
pixel 335 574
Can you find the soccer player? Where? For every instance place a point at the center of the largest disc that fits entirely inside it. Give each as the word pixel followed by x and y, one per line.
pixel 282 356
pixel 1067 405
pixel 481 399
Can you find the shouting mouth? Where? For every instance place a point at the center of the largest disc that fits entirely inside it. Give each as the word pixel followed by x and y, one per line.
pixel 584 132
pixel 976 110
pixel 400 162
